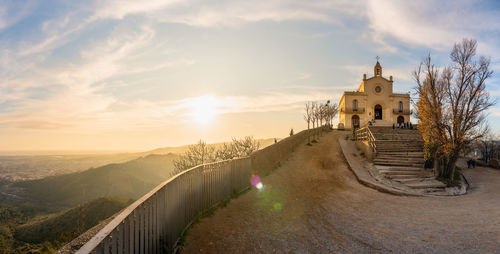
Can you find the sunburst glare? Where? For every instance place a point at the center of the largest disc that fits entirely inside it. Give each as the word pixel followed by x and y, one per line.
pixel 203 109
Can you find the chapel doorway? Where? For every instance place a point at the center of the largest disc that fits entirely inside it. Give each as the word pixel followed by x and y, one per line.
pixel 355 121
pixel 401 119
pixel 378 112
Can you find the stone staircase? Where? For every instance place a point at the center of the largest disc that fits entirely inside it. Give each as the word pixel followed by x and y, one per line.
pixel 399 157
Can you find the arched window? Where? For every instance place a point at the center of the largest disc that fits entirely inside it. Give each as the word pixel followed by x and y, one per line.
pixel 355 105
pixel 400 106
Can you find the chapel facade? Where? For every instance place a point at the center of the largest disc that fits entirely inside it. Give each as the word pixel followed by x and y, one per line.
pixel 374 100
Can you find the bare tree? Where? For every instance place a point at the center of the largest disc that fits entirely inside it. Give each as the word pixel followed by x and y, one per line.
pixel 322 113
pixel 331 110
pixel 488 145
pixel 314 116
pixel 197 154
pixel 334 111
pixel 308 116
pixel 452 103
pixel 237 148
pixel 202 153
pixel 317 117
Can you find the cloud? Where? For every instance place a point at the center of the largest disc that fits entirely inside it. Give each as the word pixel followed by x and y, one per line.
pixel 77 102
pixel 11 13
pixel 227 13
pixel 91 112
pixel 431 24
pixel 423 23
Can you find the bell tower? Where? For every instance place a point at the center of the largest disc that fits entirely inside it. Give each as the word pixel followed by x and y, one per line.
pixel 377 70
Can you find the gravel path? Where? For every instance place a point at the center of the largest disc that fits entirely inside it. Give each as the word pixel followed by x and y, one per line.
pixel 313 204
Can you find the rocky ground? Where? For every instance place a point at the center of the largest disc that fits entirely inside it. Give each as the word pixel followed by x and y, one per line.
pixel 314 204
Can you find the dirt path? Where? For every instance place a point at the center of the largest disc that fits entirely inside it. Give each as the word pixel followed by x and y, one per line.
pixel 313 204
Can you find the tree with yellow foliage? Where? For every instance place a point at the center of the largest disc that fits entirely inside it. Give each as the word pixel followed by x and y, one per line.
pixel 452 104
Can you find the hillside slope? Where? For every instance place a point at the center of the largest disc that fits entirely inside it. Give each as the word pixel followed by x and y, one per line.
pixel 128 180
pixel 68 224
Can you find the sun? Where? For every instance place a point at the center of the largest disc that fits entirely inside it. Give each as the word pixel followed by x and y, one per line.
pixel 203 109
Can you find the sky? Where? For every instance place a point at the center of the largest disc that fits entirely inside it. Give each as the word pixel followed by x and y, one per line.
pixel 137 75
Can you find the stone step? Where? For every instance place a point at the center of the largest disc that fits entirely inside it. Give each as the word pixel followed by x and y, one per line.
pixel 426 184
pixel 398 146
pixel 409 176
pixel 397 138
pixel 405 147
pixel 405 164
pixel 418 152
pixel 406 168
pixel 396 143
pixel 398 135
pixel 402 177
pixel 384 156
pixel 421 154
pixel 399 157
pixel 412 180
pixel 389 150
pixel 408 161
pixel 401 173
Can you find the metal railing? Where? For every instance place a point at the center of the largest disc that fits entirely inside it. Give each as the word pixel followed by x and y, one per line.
pixel 365 134
pixel 402 111
pixel 154 223
pixel 352 110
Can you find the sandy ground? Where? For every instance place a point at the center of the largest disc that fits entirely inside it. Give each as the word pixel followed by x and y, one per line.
pixel 313 204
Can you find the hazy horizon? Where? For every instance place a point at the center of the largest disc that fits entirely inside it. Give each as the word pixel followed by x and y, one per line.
pixel 63 152
pixel 129 76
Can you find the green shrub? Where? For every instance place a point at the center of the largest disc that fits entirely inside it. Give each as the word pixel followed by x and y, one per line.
pixel 457 178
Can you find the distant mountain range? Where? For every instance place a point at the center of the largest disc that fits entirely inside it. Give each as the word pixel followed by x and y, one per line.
pixel 131 179
pixel 31 167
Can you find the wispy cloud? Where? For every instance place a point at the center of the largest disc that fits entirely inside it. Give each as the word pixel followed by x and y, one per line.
pixel 431 24
pixel 91 112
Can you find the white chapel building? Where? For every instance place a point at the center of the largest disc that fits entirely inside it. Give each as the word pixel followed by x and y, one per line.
pixel 374 100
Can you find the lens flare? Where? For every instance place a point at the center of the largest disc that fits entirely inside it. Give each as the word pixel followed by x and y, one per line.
pixel 255 181
pixel 259 186
pixel 277 206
